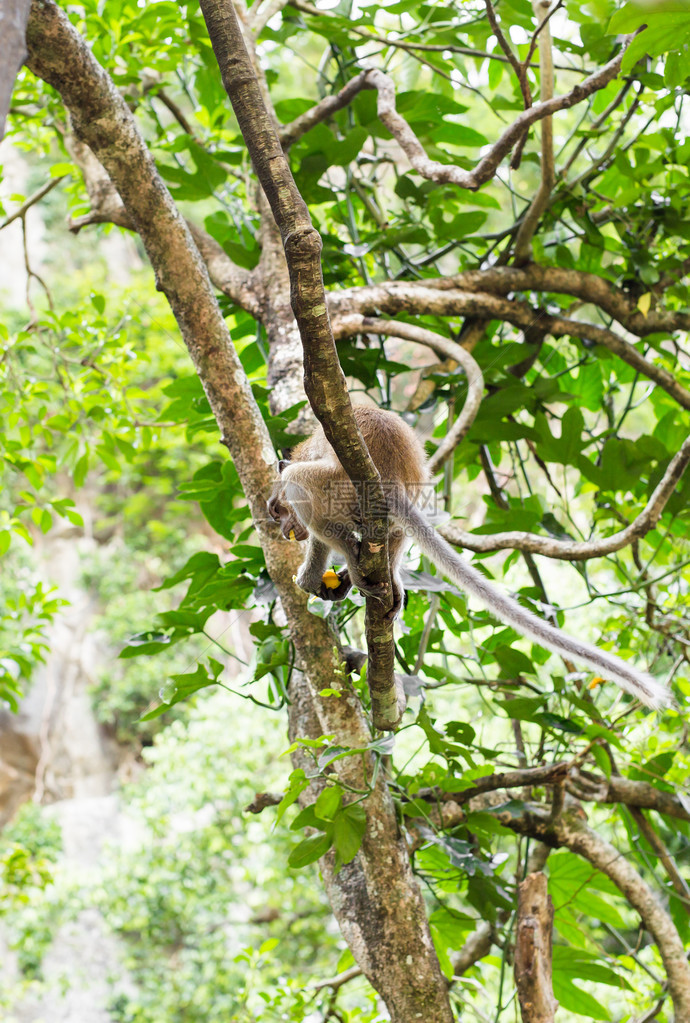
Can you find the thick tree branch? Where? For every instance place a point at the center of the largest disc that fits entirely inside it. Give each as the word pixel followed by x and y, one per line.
pixel 574 550
pixel 568 829
pixel 533 941
pixel 14 15
pixel 323 377
pixel 584 785
pixel 348 325
pixel 419 298
pixel 503 280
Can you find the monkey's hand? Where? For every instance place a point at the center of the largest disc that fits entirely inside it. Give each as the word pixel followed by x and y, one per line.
pixel 335 585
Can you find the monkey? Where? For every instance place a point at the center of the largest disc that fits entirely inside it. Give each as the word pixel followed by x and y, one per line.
pixel 314 500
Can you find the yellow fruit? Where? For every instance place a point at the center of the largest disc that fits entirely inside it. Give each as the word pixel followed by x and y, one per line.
pixel 292 534
pixel 331 579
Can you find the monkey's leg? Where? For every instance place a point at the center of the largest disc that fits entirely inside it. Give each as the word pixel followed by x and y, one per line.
pixel 343 540
pixel 396 540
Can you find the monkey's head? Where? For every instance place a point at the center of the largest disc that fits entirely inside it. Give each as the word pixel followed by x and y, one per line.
pixel 284 514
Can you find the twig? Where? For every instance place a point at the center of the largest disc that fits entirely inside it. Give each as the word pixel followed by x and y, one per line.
pixel 32 200
pixel 465 51
pixel 523 241
pixel 520 73
pixel 337 982
pixel 679 885
pixel 355 324
pixel 175 110
pixel 262 800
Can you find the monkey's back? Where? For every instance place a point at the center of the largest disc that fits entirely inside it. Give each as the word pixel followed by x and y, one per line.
pixel 395 448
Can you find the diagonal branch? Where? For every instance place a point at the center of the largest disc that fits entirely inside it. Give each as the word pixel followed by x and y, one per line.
pixel 321 111
pixel 488 165
pixel 354 324
pixel 32 200
pixel 573 550
pixel 323 377
pixel 412 147
pixel 569 830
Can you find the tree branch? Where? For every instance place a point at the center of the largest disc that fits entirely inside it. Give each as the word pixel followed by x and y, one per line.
pixel 324 380
pixel 32 200
pixel 502 280
pixel 477 945
pixel 419 298
pixel 573 550
pixel 348 325
pixel 523 241
pixel 571 831
pixel 328 106
pixel 616 789
pixel 659 849
pixel 533 941
pixel 488 165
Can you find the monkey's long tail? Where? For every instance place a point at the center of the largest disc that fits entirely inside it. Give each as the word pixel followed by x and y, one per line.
pixel 639 684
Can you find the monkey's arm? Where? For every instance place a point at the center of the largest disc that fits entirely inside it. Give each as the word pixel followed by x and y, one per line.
pixel 311 574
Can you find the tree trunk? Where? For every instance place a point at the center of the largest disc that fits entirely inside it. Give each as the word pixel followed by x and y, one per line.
pixel 533 951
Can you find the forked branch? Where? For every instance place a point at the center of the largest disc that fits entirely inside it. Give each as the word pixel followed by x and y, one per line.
pixel 323 377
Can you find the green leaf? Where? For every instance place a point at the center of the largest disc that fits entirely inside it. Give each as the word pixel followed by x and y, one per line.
pixel 348 831
pixel 309 850
pixel 298 783
pixel 328 803
pixel 80 470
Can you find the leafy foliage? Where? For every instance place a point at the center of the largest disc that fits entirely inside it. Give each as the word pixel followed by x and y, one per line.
pixel 102 422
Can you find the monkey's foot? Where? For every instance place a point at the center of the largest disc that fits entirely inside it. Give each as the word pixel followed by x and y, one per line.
pixel 397 606
pixel 379 591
